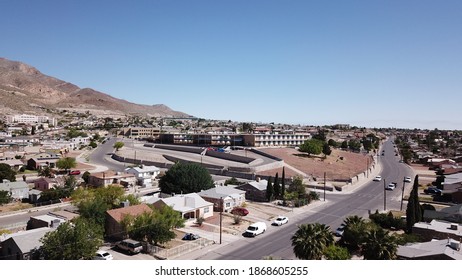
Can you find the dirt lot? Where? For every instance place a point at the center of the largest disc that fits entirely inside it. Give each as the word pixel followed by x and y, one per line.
pixel 339 165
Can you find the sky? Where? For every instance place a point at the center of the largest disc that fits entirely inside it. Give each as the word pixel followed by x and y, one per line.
pixel 367 63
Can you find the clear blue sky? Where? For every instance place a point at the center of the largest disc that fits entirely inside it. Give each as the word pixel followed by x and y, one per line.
pixel 366 63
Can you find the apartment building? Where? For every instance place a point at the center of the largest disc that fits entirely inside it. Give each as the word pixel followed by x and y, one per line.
pixel 29 119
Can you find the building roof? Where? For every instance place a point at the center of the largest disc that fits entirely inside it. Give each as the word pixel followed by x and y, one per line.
pixel 184 202
pixel 440 226
pixel 134 210
pixel 260 185
pixel 145 168
pixel 221 192
pixel 29 239
pixel 428 249
pixel 7 186
pixel 112 175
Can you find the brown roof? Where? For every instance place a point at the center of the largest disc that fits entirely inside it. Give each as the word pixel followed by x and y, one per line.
pixel 135 210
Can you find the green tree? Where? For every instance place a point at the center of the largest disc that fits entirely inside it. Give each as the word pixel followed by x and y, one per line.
pixel 276 186
pixel 326 150
pixel 283 183
pixel 86 176
pixel 379 245
pixel 6 172
pixel 5 197
pixel 72 241
pixel 334 252
pixel 413 210
pixel 354 145
pixel 311 240
pixel 354 233
pixel 332 143
pixel 311 147
pixel 344 145
pixel 93 144
pixel 186 178
pixel 66 163
pixel 118 145
pixel 45 171
pixel 269 190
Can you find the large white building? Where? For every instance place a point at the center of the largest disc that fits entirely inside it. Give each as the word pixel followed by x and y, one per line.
pixel 30 119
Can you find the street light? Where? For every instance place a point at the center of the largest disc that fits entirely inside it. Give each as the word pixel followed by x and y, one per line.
pixel 384 195
pixel 221 216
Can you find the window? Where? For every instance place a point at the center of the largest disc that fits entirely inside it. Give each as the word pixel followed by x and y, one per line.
pixel 206 210
pixel 228 204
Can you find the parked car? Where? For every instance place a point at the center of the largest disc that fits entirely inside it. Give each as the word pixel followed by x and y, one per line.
pixel 378 178
pixel 131 246
pixel 255 229
pixel 190 236
pixel 74 172
pixel 390 186
pixel 102 255
pixel 279 221
pixel 432 190
pixel 407 179
pixel 240 211
pixel 339 231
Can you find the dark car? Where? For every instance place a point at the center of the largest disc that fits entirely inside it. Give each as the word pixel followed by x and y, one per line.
pixel 190 236
pixel 432 190
pixel 240 211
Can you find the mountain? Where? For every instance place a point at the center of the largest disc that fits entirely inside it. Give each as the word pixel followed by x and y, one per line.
pixel 24 89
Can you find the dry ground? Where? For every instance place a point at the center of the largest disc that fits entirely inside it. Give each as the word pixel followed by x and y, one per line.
pixel 334 166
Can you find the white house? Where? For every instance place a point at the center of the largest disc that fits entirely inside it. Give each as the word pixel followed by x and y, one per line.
pixel 145 175
pixel 190 205
pixel 18 190
pixel 227 197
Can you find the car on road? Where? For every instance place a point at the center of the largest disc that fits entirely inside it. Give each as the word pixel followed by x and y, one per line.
pixel 240 211
pixel 432 190
pixel 378 178
pixel 390 186
pixel 407 179
pixel 74 172
pixel 255 229
pixel 190 236
pixel 103 255
pixel 279 221
pixel 340 230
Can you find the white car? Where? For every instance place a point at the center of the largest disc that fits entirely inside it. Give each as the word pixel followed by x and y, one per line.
pixel 103 255
pixel 407 179
pixel 280 221
pixel 390 187
pixel 378 178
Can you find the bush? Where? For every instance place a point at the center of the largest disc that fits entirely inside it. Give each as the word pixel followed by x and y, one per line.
pixel 387 221
pixel 237 219
pixel 200 221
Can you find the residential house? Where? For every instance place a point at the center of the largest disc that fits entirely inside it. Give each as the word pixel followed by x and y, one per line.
pixel 18 190
pixel 446 249
pixel 451 214
pixel 15 164
pixel 144 174
pixel 114 217
pixel 224 198
pixel 255 190
pixel 34 196
pixel 52 219
pixel 437 229
pixel 41 160
pixel 103 179
pixel 18 246
pixel 190 205
pixel 44 183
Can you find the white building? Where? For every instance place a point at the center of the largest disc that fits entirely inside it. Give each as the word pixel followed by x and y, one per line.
pixel 145 175
pixel 30 119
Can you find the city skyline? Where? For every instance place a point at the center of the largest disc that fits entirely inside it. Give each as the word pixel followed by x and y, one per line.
pixel 369 64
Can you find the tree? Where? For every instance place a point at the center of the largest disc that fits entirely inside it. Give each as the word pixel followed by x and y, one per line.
pixel 283 183
pixel 334 252
pixel 354 233
pixel 6 172
pixel 379 245
pixel 5 197
pixel 186 178
pixel 326 150
pixel 312 146
pixel 118 145
pixel 311 240
pixel 413 210
pixel 277 186
pixel 344 145
pixel 45 171
pixel 86 176
pixel 269 190
pixel 66 163
pixel 332 143
pixel 72 241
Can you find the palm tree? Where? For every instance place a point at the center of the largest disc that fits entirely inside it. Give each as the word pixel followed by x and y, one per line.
pixel 354 230
pixel 310 241
pixel 379 245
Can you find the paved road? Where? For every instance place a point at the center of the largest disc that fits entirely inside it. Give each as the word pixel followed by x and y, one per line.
pixel 276 242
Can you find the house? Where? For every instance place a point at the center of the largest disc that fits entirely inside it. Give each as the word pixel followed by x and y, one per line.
pixel 451 214
pixel 19 246
pixel 44 183
pixel 437 229
pixel 446 249
pixel 190 205
pixel 103 179
pixel 18 190
pixel 34 196
pixel 114 217
pixel 224 198
pixel 145 175
pixel 15 164
pixel 41 160
pixel 255 190
pixel 52 219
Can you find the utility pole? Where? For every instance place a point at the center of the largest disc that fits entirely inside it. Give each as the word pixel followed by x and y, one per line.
pixel 324 186
pixel 402 195
pixel 221 216
pixel 384 196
